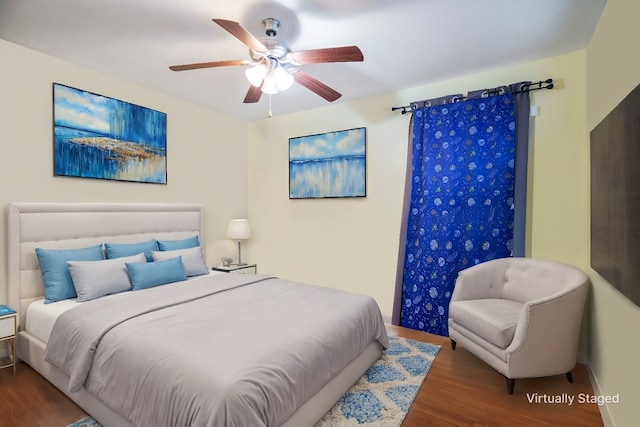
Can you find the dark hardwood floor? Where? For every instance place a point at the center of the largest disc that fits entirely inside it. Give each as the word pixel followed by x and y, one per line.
pixel 28 400
pixel 460 390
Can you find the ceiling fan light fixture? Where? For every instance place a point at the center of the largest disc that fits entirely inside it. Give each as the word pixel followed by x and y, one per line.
pixel 256 74
pixel 284 80
pixel 269 85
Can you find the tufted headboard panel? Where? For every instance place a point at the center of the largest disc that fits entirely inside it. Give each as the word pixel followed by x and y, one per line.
pixel 77 225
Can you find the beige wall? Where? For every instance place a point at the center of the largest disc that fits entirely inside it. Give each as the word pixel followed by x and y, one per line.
pixel 206 151
pixel 352 244
pixel 613 70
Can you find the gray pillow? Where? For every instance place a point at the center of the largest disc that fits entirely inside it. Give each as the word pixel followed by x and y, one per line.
pixel 192 260
pixel 94 279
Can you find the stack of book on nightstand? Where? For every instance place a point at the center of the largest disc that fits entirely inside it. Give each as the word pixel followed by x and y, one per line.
pixel 4 310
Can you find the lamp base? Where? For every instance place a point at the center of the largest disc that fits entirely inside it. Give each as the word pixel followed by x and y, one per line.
pixel 240 256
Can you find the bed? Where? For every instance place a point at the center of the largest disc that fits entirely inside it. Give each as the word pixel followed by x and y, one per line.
pixel 216 349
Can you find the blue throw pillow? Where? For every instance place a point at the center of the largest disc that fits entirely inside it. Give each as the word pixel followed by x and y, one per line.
pixel 172 245
pixel 119 250
pixel 55 272
pixel 156 273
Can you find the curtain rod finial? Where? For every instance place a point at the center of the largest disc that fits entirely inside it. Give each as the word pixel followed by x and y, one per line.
pixel 405 109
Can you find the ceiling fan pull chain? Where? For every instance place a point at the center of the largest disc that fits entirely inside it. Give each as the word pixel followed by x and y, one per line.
pixel 270 115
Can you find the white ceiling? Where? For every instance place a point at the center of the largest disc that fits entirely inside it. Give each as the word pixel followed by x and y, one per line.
pixel 406 43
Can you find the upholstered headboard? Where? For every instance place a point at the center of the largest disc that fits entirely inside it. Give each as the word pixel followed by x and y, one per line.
pixel 77 225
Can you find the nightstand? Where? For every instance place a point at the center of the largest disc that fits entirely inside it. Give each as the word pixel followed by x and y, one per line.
pixel 9 332
pixel 238 269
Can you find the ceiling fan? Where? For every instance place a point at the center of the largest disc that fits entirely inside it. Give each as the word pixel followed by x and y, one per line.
pixel 273 66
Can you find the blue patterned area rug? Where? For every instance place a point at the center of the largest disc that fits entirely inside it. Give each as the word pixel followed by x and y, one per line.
pixel 85 422
pixel 382 396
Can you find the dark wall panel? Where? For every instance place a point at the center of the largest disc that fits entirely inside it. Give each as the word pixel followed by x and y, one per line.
pixel 615 197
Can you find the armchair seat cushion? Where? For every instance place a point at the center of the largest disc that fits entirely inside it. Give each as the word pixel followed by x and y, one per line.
pixel 492 319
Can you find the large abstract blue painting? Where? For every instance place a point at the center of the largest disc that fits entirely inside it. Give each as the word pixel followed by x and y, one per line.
pixel 99 137
pixel 331 164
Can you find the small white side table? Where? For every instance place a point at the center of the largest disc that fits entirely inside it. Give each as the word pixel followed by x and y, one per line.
pixel 9 333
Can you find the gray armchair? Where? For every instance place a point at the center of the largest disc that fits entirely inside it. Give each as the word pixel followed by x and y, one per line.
pixel 522 316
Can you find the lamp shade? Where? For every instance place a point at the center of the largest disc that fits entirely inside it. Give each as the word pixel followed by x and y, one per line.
pixel 238 229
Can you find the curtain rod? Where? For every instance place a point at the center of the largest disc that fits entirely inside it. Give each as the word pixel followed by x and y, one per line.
pixel 542 84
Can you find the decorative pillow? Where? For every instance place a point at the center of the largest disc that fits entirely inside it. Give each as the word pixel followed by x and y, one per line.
pixel 94 279
pixel 172 245
pixel 55 273
pixel 192 260
pixel 156 273
pixel 119 250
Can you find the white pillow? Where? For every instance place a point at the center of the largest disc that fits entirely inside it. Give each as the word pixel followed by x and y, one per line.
pixel 192 260
pixel 94 279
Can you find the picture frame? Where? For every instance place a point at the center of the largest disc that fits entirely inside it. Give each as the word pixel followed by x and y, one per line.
pixel 95 136
pixel 328 165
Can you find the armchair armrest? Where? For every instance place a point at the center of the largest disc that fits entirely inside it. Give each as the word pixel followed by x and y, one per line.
pixel 546 336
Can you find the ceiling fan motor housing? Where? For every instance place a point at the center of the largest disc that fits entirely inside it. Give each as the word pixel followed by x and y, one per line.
pixel 277 49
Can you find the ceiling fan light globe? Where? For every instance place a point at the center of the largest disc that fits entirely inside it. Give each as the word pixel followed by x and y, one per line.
pixel 284 80
pixel 269 85
pixel 256 74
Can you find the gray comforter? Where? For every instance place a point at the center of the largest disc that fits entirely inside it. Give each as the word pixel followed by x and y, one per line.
pixel 220 350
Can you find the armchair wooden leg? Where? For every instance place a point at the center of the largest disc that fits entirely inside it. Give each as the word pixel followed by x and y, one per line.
pixel 510 385
pixel 569 377
pixel 453 345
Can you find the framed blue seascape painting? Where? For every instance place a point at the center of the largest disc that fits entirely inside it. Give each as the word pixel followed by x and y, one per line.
pixel 95 136
pixel 327 165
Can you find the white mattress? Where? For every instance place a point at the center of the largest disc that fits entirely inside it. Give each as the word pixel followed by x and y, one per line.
pixel 41 317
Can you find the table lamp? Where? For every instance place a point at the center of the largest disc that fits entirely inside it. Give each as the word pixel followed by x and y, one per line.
pixel 239 230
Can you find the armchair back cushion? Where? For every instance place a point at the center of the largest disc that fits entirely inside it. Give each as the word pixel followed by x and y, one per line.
pixel 529 281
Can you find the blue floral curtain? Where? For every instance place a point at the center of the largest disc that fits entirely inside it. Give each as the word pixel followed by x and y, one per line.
pixel 461 209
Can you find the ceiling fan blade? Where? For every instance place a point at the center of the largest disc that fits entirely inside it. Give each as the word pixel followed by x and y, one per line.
pixel 253 95
pixel 315 85
pixel 198 65
pixel 330 54
pixel 241 34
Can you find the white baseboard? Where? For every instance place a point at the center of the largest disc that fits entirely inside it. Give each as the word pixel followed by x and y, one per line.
pixel 604 409
pixel 386 319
